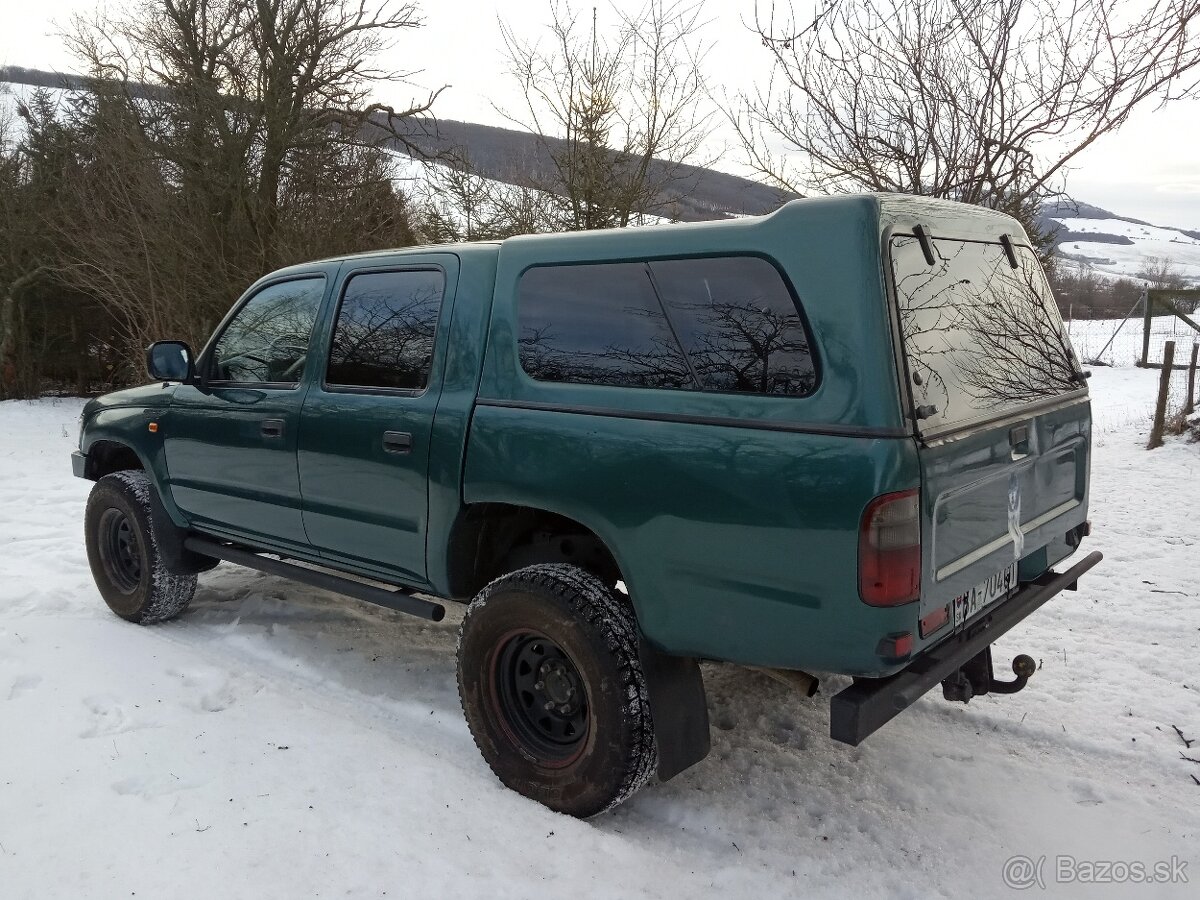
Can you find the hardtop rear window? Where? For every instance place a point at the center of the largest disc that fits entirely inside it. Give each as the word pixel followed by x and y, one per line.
pixel 981 338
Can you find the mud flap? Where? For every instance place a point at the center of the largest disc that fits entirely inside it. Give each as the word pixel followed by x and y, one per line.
pixel 678 708
pixel 176 558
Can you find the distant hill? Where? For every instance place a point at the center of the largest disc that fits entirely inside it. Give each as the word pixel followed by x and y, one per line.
pixel 1085 235
pixel 1118 246
pixel 509 155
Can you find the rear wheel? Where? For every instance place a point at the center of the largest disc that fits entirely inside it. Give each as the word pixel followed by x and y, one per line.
pixel 553 689
pixel 124 556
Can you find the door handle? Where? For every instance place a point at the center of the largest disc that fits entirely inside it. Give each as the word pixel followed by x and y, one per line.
pixel 272 428
pixel 397 442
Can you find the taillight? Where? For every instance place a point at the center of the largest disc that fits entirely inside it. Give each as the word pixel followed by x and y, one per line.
pixel 889 550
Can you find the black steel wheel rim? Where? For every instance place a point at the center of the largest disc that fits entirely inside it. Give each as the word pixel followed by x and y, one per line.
pixel 541 696
pixel 121 550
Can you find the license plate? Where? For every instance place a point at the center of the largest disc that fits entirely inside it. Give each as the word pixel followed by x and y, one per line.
pixel 984 594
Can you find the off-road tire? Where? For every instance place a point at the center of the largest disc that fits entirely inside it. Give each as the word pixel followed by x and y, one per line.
pixel 124 555
pixel 597 633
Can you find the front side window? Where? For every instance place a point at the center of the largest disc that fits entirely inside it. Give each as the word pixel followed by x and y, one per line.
pixel 385 327
pixel 267 341
pixel 981 338
pixel 597 324
pixel 738 323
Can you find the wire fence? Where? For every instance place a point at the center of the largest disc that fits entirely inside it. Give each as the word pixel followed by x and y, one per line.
pixel 1108 342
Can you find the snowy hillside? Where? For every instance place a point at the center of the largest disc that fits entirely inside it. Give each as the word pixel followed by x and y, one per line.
pixel 1119 247
pixel 277 741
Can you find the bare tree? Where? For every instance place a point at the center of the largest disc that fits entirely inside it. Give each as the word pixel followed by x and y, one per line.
pixel 1161 272
pixel 219 139
pixel 982 101
pixel 615 114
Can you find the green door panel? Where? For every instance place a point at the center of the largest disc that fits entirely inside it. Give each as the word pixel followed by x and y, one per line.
pixel 366 497
pixel 735 543
pixel 230 448
pixel 226 474
pixel 363 503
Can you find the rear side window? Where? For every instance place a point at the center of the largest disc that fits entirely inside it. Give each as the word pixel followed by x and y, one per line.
pixel 598 324
pixel 719 324
pixel 738 323
pixel 383 336
pixel 981 338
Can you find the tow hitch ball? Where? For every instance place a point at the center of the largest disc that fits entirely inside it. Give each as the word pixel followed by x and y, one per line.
pixel 976 677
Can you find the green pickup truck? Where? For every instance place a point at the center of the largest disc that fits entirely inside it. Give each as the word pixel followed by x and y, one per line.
pixel 847 437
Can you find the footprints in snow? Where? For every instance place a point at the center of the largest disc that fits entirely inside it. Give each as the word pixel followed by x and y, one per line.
pixel 209 693
pixel 203 693
pixel 185 693
pixel 108 717
pixel 23 683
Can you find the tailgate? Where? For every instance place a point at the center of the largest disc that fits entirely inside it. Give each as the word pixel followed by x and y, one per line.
pixel 1002 415
pixel 999 494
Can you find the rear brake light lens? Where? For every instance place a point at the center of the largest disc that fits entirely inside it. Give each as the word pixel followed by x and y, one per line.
pixel 896 646
pixel 889 550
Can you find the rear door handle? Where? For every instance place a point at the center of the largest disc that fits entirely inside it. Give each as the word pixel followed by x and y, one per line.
pixel 397 442
pixel 272 428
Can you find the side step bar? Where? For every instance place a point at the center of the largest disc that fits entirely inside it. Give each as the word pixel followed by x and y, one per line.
pixel 400 599
pixel 870 703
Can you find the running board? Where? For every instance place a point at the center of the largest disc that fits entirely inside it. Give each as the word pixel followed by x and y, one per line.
pixel 400 599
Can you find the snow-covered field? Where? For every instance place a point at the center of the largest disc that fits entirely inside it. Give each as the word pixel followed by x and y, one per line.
pixel 277 741
pixel 1128 260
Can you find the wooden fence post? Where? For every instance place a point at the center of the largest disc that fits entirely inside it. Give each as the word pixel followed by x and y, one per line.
pixel 1164 390
pixel 1190 406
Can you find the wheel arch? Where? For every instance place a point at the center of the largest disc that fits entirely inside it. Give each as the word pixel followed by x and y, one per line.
pixel 105 456
pixel 490 539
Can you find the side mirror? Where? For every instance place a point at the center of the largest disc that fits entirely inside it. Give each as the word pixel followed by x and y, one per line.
pixel 170 361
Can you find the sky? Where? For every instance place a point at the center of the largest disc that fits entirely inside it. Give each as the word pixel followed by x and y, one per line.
pixel 1149 170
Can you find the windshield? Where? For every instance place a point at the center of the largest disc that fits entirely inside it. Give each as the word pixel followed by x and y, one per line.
pixel 980 337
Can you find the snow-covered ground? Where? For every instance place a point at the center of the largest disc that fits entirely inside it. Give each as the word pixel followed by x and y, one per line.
pixel 277 741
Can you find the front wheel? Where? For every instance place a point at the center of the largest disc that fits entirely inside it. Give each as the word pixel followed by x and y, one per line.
pixel 553 689
pixel 124 556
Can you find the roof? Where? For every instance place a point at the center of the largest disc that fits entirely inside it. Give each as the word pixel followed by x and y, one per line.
pixel 898 211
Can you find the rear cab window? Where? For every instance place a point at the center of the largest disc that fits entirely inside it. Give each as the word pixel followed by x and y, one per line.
pixel 981 338
pixel 719 324
pixel 384 331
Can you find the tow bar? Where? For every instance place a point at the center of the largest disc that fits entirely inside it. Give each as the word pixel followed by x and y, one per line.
pixel 977 677
pixel 870 703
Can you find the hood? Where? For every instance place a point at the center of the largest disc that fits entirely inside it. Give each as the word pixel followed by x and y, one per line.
pixel 146 396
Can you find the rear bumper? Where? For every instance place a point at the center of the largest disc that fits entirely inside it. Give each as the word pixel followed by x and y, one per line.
pixel 79 464
pixel 867 705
